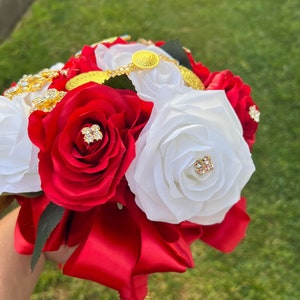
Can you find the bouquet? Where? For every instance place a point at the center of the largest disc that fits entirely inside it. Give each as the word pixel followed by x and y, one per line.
pixel 130 151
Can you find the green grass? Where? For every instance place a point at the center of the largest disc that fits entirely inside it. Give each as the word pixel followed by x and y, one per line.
pixel 260 41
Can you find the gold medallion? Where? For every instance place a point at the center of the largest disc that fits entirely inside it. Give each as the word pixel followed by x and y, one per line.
pixel 145 59
pixel 93 76
pixel 191 79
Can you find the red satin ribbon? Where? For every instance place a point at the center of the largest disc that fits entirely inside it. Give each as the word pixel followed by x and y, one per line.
pixel 119 247
pixel 123 245
pixel 228 234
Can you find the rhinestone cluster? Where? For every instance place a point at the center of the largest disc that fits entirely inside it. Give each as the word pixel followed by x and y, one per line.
pixel 254 113
pixel 31 83
pixel 48 100
pixel 92 134
pixel 203 165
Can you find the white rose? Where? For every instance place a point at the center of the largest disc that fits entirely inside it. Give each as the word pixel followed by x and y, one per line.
pixel 146 82
pixel 18 158
pixel 191 126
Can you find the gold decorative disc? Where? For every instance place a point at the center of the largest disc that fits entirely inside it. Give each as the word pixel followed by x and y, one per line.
pixel 93 76
pixel 191 79
pixel 145 59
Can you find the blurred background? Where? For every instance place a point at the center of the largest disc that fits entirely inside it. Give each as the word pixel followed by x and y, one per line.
pixel 257 40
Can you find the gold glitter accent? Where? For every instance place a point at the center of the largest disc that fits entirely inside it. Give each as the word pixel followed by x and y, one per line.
pixel 93 76
pixel 47 101
pixel 91 134
pixel 145 59
pixel 254 113
pixel 145 42
pixel 203 165
pixel 191 79
pixel 31 83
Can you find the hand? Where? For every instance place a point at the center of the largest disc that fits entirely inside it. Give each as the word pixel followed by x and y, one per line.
pixel 17 281
pixel 61 255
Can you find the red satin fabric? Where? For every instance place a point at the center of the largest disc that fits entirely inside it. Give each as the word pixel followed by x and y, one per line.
pixel 227 235
pixel 120 247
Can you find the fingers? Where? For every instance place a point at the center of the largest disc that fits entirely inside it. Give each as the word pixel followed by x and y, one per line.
pixel 17 280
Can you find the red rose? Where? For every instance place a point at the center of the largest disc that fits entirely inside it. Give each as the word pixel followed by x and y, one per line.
pixel 200 70
pixel 238 94
pixel 84 62
pixel 79 174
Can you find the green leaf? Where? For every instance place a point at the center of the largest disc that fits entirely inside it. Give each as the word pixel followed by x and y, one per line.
pixel 25 195
pixel 175 49
pixel 47 223
pixel 120 82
